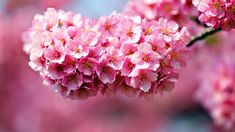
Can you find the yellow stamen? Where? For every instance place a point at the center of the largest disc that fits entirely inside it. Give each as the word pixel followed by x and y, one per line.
pixel 130 33
pixel 146 58
pixel 148 31
pixel 87 64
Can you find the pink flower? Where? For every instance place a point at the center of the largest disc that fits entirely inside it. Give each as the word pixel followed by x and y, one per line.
pixel 76 49
pixel 166 83
pixel 167 29
pixel 106 73
pixel 129 49
pixel 60 34
pixel 158 45
pixel 131 32
pixel 114 57
pixel 71 64
pixel 87 66
pixel 90 35
pixel 127 67
pixel 56 71
pixel 107 41
pixel 60 89
pixel 142 79
pixel 108 25
pixel 178 58
pixel 149 28
pixel 146 57
pixel 55 53
pixel 84 92
pixel 182 36
pixel 38 60
pixel 72 81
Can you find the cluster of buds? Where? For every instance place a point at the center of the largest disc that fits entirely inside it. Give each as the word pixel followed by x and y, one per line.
pixel 119 53
pixel 217 13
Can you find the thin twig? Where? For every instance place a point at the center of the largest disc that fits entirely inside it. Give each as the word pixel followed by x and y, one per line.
pixel 204 35
pixel 196 20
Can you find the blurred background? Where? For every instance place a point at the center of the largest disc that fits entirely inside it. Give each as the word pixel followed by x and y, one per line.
pixel 27 106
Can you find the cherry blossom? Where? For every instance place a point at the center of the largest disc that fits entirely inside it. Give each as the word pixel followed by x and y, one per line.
pixel 80 57
pixel 217 13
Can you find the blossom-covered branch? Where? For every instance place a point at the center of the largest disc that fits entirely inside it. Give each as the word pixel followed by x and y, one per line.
pixel 78 56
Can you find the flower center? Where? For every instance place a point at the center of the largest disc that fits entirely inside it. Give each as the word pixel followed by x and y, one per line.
pixel 146 58
pixel 155 48
pixel 130 33
pixel 48 27
pixel 107 26
pixel 76 50
pixel 42 60
pixel 232 10
pixel 216 5
pixel 63 41
pixel 57 54
pixel 112 59
pixel 72 78
pixel 105 69
pixel 163 63
pixel 130 52
pixel 52 42
pixel 142 77
pixel 60 24
pixel 167 7
pixel 167 46
pixel 131 65
pixel 87 64
pixel 166 31
pixel 148 31
pixel 59 68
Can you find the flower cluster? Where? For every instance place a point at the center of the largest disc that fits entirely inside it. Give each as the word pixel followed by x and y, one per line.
pixel 179 11
pixel 217 13
pixel 153 9
pixel 217 93
pixel 120 53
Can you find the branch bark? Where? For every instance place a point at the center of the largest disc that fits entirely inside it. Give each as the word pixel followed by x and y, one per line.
pixel 204 35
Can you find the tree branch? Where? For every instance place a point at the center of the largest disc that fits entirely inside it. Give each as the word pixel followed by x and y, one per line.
pixel 204 35
pixel 196 20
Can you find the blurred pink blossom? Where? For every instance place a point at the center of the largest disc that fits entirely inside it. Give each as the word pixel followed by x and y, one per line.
pixel 217 82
